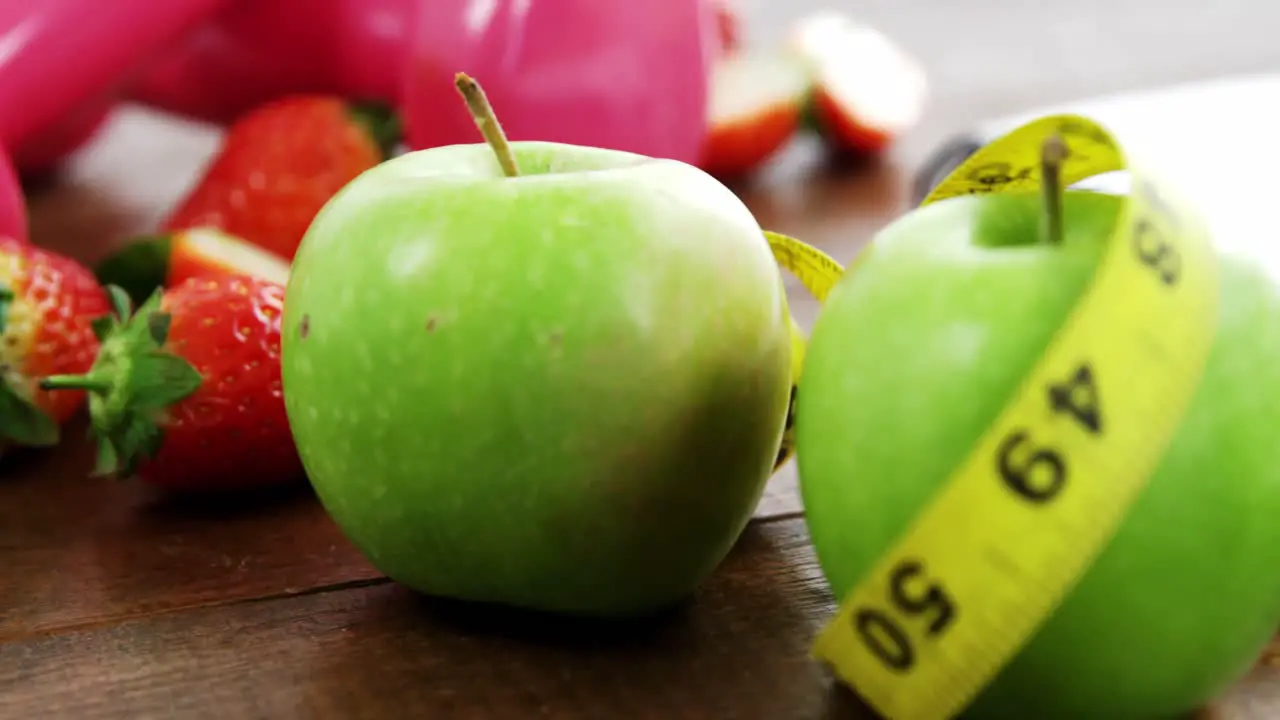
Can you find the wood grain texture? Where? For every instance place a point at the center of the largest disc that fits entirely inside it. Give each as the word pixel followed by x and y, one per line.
pixel 737 650
pixel 118 603
pixel 77 550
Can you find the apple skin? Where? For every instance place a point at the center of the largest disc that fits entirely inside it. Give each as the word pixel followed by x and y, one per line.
pixel 562 392
pixel 917 351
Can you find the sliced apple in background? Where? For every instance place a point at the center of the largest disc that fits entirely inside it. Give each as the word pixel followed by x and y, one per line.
pixel 755 107
pixel 157 261
pixel 867 90
pixel 205 251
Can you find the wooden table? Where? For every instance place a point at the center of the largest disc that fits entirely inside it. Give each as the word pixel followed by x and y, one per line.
pixel 117 603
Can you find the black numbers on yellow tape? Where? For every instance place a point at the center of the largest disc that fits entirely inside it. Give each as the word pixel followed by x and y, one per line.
pixel 1154 252
pixel 1035 473
pixel 912 595
pixel 995 175
pixel 1150 240
pixel 953 600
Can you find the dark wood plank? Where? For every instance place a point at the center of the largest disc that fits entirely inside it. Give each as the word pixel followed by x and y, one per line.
pixel 739 649
pixel 78 550
pixel 80 556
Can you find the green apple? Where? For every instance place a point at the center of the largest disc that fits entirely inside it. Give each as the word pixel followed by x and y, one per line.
pixel 917 351
pixel 562 391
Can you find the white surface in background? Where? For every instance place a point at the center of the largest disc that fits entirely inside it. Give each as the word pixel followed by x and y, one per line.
pixel 1215 142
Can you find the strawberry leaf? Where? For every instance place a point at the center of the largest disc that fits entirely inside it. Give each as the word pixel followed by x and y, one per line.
pixel 121 303
pixel 6 299
pixel 132 384
pixel 158 327
pixel 160 380
pixel 23 422
pixel 103 326
pixel 138 441
pixel 108 459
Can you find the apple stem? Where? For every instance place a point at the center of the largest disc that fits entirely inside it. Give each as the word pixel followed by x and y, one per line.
pixel 487 122
pixel 1052 155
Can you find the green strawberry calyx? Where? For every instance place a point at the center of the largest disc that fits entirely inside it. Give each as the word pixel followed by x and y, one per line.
pixel 131 384
pixel 140 267
pixel 381 122
pixel 21 421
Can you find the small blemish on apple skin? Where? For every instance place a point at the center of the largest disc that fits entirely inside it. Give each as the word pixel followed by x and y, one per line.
pixel 431 324
pixel 304 327
pixel 555 342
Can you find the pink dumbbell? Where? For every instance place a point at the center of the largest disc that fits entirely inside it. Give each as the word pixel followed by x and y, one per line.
pixel 628 75
pixel 60 63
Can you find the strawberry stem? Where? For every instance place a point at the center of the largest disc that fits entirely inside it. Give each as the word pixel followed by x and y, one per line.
pixel 487 121
pixel 75 382
pixel 131 384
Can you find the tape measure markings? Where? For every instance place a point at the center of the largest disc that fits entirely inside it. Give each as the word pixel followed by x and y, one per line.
pixel 818 272
pixel 953 600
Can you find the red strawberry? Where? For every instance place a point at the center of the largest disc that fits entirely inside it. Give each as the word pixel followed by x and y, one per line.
pixel 48 305
pixel 161 261
pixel 187 391
pixel 280 164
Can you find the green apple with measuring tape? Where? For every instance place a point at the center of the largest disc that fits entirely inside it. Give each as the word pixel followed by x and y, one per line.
pixel 1036 447
pixel 536 374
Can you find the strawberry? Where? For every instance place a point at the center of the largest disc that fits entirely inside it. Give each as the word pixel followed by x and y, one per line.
pixel 280 164
pixel 186 393
pixel 161 261
pixel 48 306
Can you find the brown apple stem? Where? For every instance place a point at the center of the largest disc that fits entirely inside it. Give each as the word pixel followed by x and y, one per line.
pixel 1052 155
pixel 487 122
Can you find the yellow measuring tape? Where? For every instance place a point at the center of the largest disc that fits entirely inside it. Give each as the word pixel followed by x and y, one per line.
pixel 941 613
pixel 818 273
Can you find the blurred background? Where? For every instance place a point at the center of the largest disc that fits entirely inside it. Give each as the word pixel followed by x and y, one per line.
pixel 820 113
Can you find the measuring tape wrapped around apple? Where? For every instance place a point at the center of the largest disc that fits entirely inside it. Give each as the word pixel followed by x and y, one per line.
pixel 1035 498
pixel 818 272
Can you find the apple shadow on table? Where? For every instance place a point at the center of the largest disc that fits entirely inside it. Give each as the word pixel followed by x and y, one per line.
pixel 542 628
pixel 745 634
